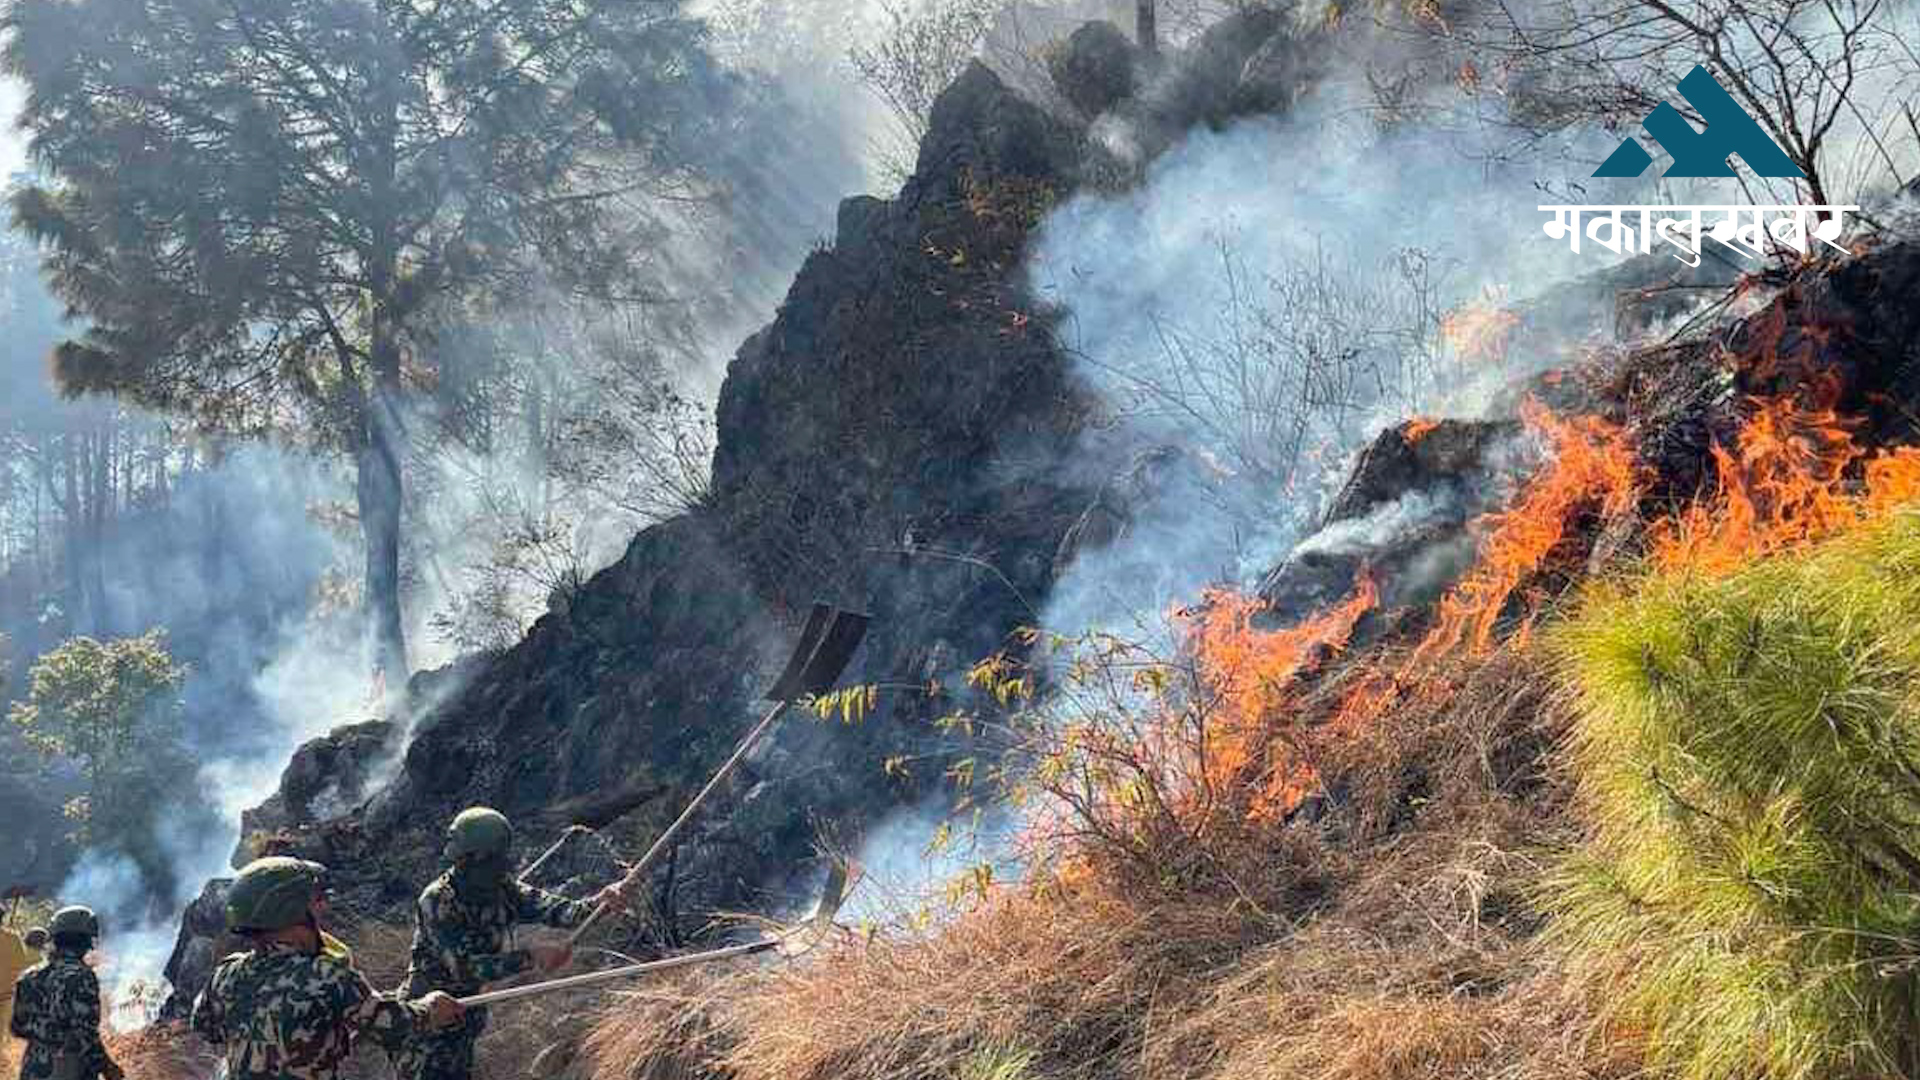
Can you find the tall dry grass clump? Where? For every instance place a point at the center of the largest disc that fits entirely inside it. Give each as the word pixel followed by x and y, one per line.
pixel 1383 932
pixel 1064 975
pixel 1747 748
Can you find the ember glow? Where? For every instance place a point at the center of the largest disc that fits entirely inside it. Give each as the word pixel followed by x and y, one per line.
pixel 1418 428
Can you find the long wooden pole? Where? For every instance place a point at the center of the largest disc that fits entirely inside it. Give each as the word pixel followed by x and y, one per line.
pixel 686 815
pixel 626 971
pixel 552 849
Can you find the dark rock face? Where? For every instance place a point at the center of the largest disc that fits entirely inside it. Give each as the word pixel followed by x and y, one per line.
pixel 203 941
pixel 1093 69
pixel 1417 456
pixel 327 777
pixel 1244 64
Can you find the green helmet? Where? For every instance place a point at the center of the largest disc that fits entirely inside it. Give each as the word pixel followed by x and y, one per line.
pixel 273 893
pixel 479 832
pixel 76 920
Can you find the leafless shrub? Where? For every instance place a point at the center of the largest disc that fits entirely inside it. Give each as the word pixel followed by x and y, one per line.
pixel 921 51
pixel 1292 356
pixel 1828 80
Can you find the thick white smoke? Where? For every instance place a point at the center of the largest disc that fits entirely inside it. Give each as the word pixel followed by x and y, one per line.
pixel 1277 254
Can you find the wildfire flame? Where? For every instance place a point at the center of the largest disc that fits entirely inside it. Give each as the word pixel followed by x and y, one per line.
pixel 1779 486
pixel 1893 481
pixel 1794 473
pixel 1784 484
pixel 1251 674
pixel 1370 696
pixel 1786 480
pixel 1591 464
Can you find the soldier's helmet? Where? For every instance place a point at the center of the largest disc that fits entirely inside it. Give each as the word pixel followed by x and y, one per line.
pixel 479 832
pixel 74 921
pixel 273 893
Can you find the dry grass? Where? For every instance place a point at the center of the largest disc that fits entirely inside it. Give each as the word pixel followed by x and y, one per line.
pixel 1390 939
pixel 162 1053
pixel 1426 968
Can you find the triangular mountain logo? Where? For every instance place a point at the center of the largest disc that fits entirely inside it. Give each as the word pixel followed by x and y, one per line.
pixel 1703 153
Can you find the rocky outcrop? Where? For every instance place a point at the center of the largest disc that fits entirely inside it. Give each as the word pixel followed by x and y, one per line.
pixel 1401 516
pixel 202 942
pixel 1094 68
pixel 327 777
pixel 888 443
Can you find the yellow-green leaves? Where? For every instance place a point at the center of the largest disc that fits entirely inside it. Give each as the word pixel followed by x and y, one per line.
pixel 853 703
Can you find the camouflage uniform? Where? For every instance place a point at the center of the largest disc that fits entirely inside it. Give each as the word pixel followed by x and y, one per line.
pixel 56 1008
pixel 459 946
pixel 285 1014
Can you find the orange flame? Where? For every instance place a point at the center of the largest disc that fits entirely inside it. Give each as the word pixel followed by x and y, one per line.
pixel 1251 673
pixel 1417 428
pixel 1783 482
pixel 1370 697
pixel 1893 481
pixel 1782 486
pixel 1590 462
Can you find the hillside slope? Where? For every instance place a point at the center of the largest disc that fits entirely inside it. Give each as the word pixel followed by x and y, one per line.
pixel 1623 798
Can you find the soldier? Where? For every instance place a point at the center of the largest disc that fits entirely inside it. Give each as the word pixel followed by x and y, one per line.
pixel 56 1006
pixel 289 1007
pixel 463 932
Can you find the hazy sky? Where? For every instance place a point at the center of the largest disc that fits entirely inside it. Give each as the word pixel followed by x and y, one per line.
pixel 13 151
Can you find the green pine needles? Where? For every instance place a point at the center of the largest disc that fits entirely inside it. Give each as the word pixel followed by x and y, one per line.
pixel 1747 753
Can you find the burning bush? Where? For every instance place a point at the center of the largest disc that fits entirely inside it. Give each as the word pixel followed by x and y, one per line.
pixel 1748 755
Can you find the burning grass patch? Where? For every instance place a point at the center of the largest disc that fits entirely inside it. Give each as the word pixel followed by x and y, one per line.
pixel 1747 748
pixel 1390 936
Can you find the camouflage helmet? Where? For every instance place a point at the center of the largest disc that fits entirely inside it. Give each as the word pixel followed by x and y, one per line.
pixel 479 832
pixel 74 921
pixel 273 893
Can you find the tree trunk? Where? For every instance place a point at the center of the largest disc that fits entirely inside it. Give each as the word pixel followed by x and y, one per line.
pixel 99 509
pixel 73 532
pixel 1143 27
pixel 378 490
pixel 380 481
